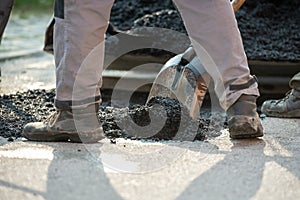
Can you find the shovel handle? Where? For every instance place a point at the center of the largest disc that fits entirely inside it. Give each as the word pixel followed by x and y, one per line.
pixel 236 4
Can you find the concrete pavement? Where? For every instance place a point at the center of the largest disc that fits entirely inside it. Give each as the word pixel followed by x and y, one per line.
pixel 220 168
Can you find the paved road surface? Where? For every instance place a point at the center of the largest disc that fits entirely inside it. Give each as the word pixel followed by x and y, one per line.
pixel 267 168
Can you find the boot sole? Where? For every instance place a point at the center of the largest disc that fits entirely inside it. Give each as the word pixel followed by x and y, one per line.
pixel 244 132
pixel 243 128
pixel 290 114
pixel 86 137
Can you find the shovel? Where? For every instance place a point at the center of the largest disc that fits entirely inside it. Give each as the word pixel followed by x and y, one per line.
pixel 184 78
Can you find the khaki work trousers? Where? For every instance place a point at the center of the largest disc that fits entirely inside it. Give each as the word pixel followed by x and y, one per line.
pixel 81 27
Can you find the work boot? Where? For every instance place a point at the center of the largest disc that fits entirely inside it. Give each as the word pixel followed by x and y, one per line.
pixel 77 125
pixel 288 107
pixel 243 119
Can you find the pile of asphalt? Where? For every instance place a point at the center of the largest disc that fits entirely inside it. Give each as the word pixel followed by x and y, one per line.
pixel 269 28
pixel 133 122
pixel 18 109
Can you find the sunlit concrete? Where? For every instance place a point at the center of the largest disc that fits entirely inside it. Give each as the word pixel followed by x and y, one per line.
pixel 219 168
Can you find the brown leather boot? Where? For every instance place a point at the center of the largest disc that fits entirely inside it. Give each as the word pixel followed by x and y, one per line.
pixel 288 107
pixel 80 125
pixel 243 119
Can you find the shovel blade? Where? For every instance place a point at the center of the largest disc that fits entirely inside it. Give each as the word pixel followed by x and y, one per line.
pixel 192 90
pixel 188 87
pixel 164 80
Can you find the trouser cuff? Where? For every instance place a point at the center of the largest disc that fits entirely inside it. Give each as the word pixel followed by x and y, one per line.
pixel 68 105
pixel 245 85
pixel 295 82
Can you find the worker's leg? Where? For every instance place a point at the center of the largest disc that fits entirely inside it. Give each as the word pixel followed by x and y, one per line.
pixel 79 27
pixel 79 30
pixel 5 9
pixel 214 34
pixel 212 27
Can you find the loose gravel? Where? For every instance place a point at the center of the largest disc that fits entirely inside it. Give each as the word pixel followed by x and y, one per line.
pixel 133 122
pixel 269 28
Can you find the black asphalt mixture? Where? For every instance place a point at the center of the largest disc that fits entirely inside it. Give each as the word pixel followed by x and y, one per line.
pixel 270 31
pixel 269 28
pixel 133 122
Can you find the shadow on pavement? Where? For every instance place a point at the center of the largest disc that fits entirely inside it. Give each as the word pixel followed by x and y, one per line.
pixel 234 176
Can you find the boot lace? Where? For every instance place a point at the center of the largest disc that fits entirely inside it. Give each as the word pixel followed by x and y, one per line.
pixel 287 96
pixel 52 118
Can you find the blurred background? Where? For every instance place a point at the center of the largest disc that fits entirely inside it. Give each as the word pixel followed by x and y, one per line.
pixel 23 64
